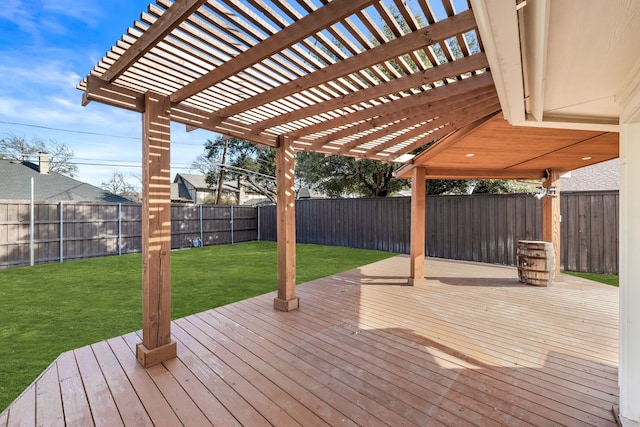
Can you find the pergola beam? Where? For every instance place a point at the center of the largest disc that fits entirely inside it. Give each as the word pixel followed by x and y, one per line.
pixel 314 22
pixel 197 118
pixel 411 81
pixel 438 94
pixel 457 116
pixel 413 41
pixel 117 96
pixel 461 121
pixel 409 115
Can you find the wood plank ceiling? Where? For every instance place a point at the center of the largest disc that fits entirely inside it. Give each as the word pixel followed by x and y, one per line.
pixel 361 78
pixel 491 148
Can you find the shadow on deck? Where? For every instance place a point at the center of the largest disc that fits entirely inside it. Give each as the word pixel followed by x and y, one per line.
pixel 472 347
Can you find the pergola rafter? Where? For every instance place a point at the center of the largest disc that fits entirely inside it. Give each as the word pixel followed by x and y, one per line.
pixel 254 71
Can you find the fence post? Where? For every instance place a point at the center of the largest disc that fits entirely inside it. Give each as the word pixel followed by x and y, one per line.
pixel 32 226
pixel 232 224
pixel 258 223
pixel 201 231
pixel 61 231
pixel 119 229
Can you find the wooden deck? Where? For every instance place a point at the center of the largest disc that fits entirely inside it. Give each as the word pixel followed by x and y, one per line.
pixel 472 347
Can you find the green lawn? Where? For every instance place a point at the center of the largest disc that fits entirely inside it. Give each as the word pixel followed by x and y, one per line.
pixel 609 279
pixel 46 310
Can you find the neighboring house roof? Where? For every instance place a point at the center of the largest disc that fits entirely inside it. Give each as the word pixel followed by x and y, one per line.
pixel 599 177
pixel 179 193
pixel 15 179
pixel 199 182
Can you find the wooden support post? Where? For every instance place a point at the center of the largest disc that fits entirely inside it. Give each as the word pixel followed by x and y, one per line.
pixel 156 345
pixel 418 205
pixel 551 216
pixel 286 223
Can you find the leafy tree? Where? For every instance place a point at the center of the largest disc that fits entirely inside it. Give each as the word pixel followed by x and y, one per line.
pixel 16 147
pixel 447 186
pixel 340 176
pixel 118 185
pixel 494 186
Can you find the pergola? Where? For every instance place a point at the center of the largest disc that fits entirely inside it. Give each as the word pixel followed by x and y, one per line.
pixel 371 79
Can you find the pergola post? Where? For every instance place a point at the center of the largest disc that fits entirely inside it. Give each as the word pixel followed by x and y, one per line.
pixel 551 216
pixel 629 358
pixel 418 205
pixel 156 345
pixel 286 224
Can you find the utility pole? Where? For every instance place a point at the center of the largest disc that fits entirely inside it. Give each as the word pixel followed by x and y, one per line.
pixel 222 163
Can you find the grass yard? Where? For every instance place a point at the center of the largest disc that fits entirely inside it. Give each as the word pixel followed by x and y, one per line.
pixel 46 310
pixel 609 279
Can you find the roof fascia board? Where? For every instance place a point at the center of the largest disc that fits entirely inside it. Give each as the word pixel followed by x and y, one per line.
pixel 437 173
pixel 602 124
pixel 535 19
pixel 498 26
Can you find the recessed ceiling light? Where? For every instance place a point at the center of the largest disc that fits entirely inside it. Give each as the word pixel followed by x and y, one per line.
pixel 586 158
pixel 470 155
pixel 404 158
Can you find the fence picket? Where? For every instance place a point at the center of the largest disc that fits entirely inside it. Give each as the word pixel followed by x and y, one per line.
pixel 482 228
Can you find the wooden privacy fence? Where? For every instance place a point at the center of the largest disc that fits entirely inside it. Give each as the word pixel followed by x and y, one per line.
pixel 74 230
pixel 483 228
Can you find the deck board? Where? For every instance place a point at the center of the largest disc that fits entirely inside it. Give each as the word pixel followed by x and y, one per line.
pixel 130 408
pixel 74 397
pixel 49 398
pixel 103 408
pixel 471 347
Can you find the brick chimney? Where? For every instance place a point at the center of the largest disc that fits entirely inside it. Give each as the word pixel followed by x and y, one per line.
pixel 43 163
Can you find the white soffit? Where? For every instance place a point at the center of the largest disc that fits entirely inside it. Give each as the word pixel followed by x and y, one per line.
pixel 592 47
pixel 577 55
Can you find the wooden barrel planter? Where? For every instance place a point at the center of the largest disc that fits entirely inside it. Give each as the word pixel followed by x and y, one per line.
pixel 536 262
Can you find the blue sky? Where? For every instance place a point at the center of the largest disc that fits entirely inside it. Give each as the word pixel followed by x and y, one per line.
pixel 46 48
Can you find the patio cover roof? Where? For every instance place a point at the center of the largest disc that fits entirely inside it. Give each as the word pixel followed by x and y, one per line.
pixel 492 148
pixel 361 78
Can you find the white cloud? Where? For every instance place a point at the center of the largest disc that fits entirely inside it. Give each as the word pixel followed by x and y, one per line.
pixel 17 12
pixel 86 11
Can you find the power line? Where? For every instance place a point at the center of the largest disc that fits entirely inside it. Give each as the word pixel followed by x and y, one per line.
pixel 81 132
pixel 112 163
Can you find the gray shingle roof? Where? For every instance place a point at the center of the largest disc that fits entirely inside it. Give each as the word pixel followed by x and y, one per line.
pixel 599 177
pixel 197 181
pixel 15 184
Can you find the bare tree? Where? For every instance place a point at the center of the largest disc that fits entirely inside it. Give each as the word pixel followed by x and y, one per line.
pixel 118 185
pixel 16 147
